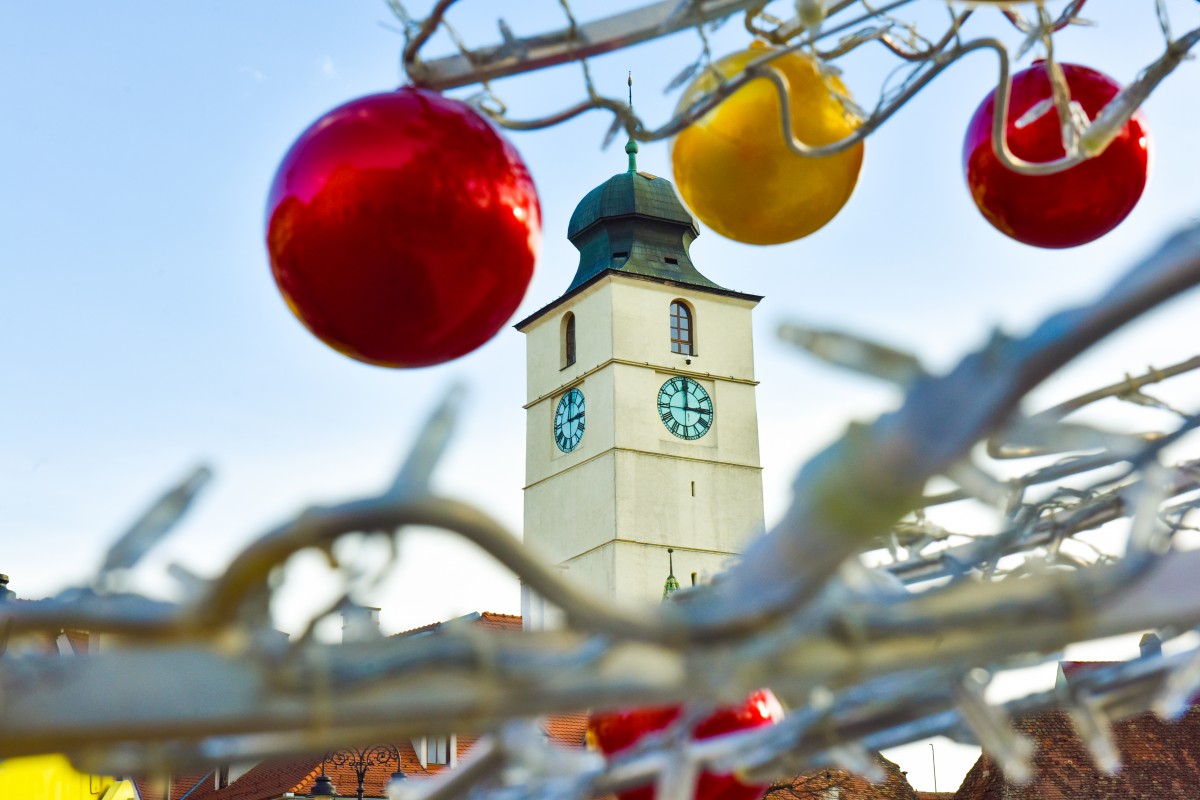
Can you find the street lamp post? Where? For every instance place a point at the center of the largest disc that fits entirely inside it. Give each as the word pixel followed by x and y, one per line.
pixel 362 759
pixel 932 755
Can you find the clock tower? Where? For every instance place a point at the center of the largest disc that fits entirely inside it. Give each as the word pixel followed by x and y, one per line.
pixel 641 427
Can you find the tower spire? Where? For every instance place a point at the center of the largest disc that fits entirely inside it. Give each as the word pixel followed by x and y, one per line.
pixel 631 147
pixel 672 584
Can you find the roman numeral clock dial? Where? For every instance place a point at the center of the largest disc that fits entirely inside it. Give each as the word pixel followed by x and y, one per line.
pixel 569 421
pixel 685 408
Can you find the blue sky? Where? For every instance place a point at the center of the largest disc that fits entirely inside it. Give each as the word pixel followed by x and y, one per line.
pixel 141 333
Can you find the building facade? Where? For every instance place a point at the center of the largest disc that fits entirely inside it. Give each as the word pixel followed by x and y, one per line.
pixel 642 428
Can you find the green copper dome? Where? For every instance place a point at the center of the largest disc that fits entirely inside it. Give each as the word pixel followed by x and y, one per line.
pixel 628 194
pixel 634 223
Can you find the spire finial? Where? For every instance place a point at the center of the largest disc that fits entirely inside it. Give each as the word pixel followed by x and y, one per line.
pixel 631 147
pixel 672 585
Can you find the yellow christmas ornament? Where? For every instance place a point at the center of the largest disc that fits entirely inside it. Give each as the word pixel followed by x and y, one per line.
pixel 733 168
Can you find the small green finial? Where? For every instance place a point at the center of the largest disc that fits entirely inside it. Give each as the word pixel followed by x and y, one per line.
pixel 672 585
pixel 631 147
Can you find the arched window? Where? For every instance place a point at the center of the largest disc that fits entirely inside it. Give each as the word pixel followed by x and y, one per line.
pixel 683 329
pixel 568 340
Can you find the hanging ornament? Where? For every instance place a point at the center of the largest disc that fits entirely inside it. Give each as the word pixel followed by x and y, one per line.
pixel 736 173
pixel 615 731
pixel 402 229
pixel 1066 208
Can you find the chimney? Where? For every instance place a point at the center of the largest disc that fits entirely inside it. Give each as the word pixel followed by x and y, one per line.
pixel 1150 645
pixel 359 623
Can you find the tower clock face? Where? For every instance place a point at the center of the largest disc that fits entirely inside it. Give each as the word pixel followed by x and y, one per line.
pixel 569 421
pixel 685 408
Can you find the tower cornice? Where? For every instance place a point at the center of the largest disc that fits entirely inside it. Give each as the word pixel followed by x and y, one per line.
pixel 754 299
pixel 663 368
pixel 647 454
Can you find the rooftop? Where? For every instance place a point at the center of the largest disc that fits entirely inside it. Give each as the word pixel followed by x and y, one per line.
pixel 634 223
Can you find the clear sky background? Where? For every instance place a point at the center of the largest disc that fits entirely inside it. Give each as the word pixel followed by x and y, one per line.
pixel 141 332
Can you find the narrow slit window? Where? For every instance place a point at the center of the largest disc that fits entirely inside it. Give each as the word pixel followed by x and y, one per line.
pixel 568 340
pixel 621 254
pixel 670 260
pixel 683 329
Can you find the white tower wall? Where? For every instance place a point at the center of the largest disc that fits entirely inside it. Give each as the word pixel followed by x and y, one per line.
pixel 607 511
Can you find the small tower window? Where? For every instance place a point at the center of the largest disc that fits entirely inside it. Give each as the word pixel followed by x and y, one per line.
pixel 683 329
pixel 568 340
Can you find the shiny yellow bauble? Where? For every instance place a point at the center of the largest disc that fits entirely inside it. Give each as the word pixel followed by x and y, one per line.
pixel 733 168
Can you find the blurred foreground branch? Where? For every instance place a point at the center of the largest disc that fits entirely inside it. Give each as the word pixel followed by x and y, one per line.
pixel 865 658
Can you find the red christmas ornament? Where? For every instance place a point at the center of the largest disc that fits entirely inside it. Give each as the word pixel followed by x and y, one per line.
pixel 403 229
pixel 616 731
pixel 1068 208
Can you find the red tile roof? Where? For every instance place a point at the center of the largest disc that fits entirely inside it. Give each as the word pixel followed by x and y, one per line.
pixel 820 785
pixel 494 621
pixel 272 779
pixel 1161 762
pixel 489 620
pixel 181 785
pixel 567 729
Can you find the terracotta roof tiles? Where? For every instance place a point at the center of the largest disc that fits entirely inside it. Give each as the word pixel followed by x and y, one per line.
pixel 485 619
pixel 504 622
pixel 272 779
pixel 181 786
pixel 567 729
pixel 845 786
pixel 1161 762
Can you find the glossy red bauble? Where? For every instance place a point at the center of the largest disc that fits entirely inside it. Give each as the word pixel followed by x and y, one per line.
pixel 403 229
pixel 616 731
pixel 1068 208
